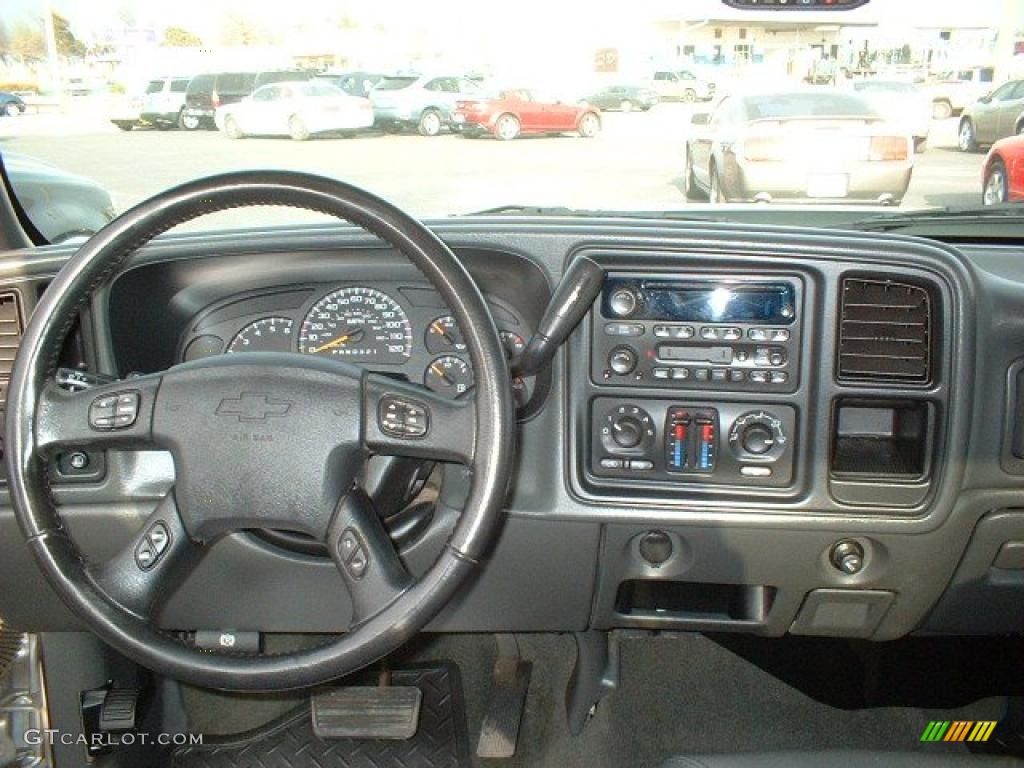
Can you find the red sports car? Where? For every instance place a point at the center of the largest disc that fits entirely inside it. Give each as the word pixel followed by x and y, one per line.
pixel 519 111
pixel 1003 174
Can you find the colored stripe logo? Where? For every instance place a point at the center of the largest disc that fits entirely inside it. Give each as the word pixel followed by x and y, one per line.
pixel 958 730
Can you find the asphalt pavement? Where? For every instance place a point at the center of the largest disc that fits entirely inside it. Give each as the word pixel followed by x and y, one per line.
pixel 635 163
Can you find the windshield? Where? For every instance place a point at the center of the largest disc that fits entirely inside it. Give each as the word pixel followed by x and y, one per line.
pixel 655 106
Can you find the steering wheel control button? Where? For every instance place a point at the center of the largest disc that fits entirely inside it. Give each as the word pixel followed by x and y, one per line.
pixel 399 417
pixel 159 538
pixel 352 553
pixel 116 411
pixel 152 546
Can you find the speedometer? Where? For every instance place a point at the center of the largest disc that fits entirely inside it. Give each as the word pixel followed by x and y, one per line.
pixel 362 325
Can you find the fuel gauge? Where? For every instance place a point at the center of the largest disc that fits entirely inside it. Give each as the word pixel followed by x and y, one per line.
pixel 448 375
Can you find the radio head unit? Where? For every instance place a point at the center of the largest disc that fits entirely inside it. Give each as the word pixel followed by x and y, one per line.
pixel 697 332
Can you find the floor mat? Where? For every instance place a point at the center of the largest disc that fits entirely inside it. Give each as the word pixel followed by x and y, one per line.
pixel 289 742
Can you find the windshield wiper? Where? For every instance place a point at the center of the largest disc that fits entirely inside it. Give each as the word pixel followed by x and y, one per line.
pixel 947 215
pixel 540 210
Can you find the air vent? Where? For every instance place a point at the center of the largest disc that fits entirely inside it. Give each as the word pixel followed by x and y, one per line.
pixel 11 327
pixel 884 332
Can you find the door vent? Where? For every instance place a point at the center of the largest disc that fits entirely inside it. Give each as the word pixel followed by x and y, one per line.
pixel 885 331
pixel 11 328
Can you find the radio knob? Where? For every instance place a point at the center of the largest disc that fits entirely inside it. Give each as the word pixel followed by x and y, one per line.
pixel 622 360
pixel 623 302
pixel 627 432
pixel 757 439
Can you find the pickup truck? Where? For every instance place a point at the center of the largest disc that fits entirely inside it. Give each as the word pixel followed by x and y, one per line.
pixel 951 91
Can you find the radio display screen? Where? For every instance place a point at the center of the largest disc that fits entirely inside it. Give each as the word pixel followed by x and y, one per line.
pixel 710 302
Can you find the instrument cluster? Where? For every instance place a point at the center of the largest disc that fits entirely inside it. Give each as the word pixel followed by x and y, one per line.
pixel 396 329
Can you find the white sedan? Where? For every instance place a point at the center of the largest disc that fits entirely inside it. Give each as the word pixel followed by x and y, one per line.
pixel 299 110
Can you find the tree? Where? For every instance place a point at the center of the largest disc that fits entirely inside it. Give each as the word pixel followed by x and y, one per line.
pixel 28 43
pixel 178 37
pixel 239 30
pixel 67 44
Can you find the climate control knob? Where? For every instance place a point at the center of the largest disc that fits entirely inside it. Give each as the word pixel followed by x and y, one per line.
pixel 757 435
pixel 627 432
pixel 757 439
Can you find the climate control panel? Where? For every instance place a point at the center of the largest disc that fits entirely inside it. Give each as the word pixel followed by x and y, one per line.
pixel 684 442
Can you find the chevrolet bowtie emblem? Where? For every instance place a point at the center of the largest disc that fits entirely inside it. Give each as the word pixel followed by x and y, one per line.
pixel 253 406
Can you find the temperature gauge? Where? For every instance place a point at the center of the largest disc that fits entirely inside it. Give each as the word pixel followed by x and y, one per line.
pixel 443 336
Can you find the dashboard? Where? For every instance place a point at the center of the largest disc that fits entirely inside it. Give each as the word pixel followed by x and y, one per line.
pixel 754 429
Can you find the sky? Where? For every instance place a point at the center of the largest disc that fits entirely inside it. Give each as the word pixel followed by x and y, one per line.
pixel 205 16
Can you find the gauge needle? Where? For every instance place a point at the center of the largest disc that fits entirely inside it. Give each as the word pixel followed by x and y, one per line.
pixel 441 372
pixel 439 329
pixel 338 342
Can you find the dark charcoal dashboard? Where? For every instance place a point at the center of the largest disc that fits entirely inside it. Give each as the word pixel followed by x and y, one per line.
pixel 753 429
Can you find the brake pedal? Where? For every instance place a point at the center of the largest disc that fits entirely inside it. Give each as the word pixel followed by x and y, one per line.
pixel 377 712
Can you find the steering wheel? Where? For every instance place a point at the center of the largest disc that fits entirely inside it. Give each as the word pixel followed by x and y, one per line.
pixel 259 440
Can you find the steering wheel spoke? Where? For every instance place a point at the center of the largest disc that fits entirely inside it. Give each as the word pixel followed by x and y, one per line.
pixel 364 553
pixel 118 415
pixel 407 420
pixel 150 567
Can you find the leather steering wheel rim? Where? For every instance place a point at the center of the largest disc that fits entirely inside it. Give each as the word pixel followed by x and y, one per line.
pixel 95 264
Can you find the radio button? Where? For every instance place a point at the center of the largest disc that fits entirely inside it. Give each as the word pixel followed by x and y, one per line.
pixel 623 302
pixel 623 329
pixel 731 334
pixel 707 332
pixel 683 332
pixel 779 377
pixel 736 375
pixel 680 373
pixel 756 471
pixel 640 464
pixel 662 331
pixel 759 377
pixel 701 374
pixel 661 373
pixel 613 463
pixel 719 374
pixel 780 334
pixel 758 334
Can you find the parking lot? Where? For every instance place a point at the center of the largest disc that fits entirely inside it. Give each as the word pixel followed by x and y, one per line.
pixel 635 163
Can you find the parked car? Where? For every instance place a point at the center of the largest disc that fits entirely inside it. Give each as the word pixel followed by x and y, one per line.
pixel 803 145
pixel 299 110
pixel 682 85
pixel 624 98
pixel 11 104
pixel 352 83
pixel 951 91
pixel 1002 177
pixel 423 102
pixel 901 103
pixel 992 117
pixel 209 91
pixel 61 205
pixel 163 104
pixel 515 112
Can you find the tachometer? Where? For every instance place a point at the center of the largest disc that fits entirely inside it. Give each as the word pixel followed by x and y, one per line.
pixel 269 334
pixel 362 325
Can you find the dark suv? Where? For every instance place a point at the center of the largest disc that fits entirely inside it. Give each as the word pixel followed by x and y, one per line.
pixel 208 91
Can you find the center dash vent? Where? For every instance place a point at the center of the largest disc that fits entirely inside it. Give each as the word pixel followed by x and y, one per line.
pixel 885 331
pixel 11 328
